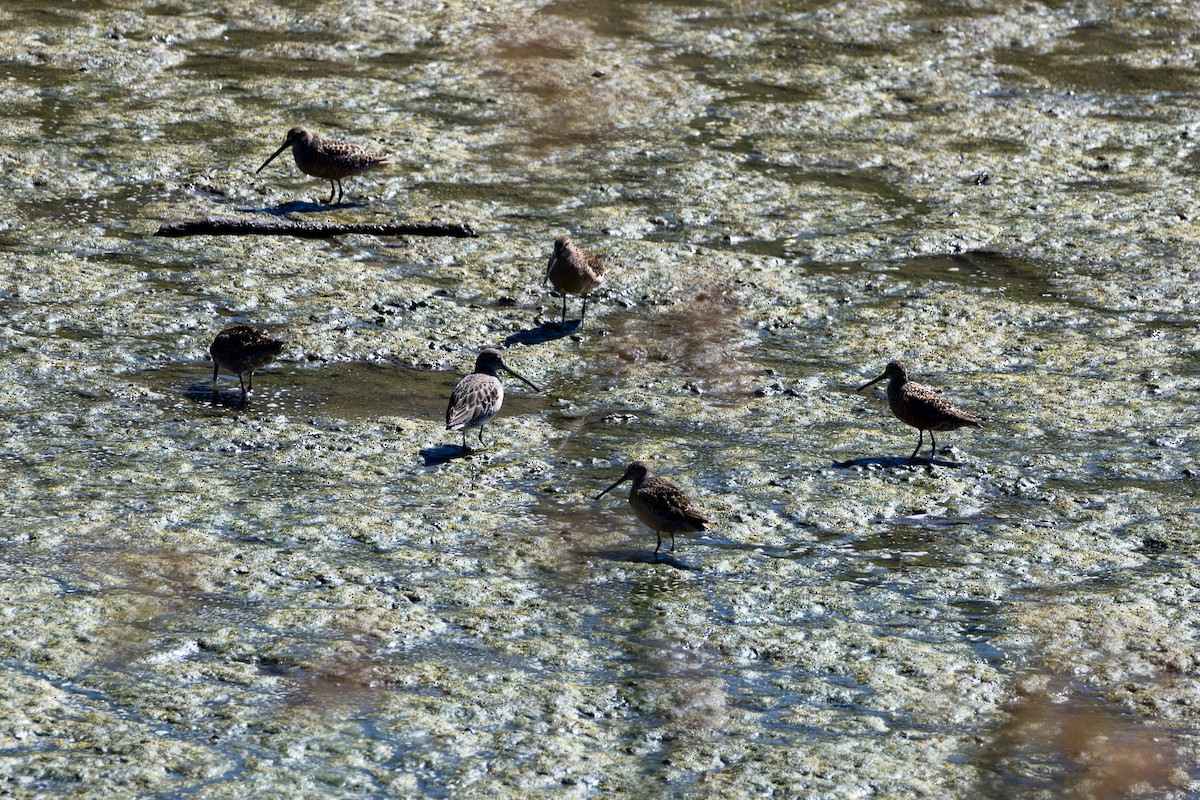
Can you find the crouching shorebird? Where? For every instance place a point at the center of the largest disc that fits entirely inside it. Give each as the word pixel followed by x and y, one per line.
pixel 478 397
pixel 243 349
pixel 331 159
pixel 921 406
pixel 573 270
pixel 659 504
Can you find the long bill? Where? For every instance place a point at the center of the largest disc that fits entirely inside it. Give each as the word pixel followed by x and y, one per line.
pixel 615 485
pixel 285 146
pixel 549 266
pixel 868 383
pixel 519 376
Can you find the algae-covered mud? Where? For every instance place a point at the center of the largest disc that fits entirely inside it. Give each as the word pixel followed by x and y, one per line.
pixel 315 594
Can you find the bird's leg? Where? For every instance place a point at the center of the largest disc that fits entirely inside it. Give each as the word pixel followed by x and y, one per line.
pixel 920 441
pixel 250 383
pixel 482 443
pixel 339 183
pixel 932 444
pixel 583 313
pixel 659 545
pixel 564 319
pixel 672 541
pixel 465 448
pixel 216 368
pixel 332 191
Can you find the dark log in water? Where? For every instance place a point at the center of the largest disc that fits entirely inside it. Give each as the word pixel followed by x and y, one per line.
pixel 240 226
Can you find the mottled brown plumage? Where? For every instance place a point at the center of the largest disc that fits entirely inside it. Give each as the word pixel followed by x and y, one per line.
pixel 243 349
pixel 659 504
pixel 921 406
pixel 478 397
pixel 331 159
pixel 573 270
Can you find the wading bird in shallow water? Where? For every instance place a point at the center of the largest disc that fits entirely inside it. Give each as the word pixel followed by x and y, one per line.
pixel 331 159
pixel 921 406
pixel 478 397
pixel 243 348
pixel 573 270
pixel 659 504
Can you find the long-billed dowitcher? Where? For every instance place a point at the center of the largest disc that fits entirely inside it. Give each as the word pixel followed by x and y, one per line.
pixel 478 397
pixel 921 406
pixel 573 270
pixel 243 348
pixel 659 504
pixel 331 159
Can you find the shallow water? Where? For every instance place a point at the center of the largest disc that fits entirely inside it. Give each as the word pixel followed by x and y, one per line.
pixel 315 593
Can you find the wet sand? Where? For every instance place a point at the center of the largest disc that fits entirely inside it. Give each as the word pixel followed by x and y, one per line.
pixel 313 595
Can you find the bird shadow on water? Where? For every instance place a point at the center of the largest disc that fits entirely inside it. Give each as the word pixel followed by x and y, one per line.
pixel 207 394
pixel 641 557
pixel 446 453
pixel 889 462
pixel 546 332
pixel 300 207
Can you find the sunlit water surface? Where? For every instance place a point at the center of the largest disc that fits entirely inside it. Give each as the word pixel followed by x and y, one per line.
pixel 315 592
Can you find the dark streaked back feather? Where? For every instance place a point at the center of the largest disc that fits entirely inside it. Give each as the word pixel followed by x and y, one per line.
pixel 670 504
pixel 475 400
pixel 239 348
pixel 574 270
pixel 924 407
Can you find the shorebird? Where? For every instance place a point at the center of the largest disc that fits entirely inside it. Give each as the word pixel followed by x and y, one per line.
pixel 478 397
pixel 573 270
pixel 331 159
pixel 921 406
pixel 659 504
pixel 243 348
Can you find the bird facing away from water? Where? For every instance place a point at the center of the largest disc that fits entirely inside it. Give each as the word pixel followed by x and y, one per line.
pixel 243 348
pixel 659 504
pixel 478 397
pixel 573 270
pixel 331 159
pixel 921 406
